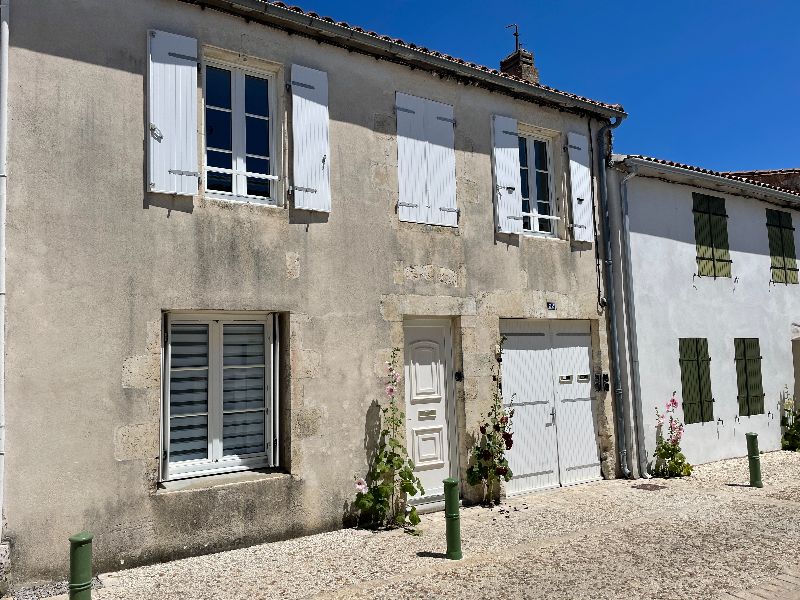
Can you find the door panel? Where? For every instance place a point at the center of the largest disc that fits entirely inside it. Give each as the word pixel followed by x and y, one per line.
pixel 577 443
pixel 428 375
pixel 527 382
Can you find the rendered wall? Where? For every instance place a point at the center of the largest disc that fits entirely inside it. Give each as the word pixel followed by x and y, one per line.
pixel 93 261
pixel 670 302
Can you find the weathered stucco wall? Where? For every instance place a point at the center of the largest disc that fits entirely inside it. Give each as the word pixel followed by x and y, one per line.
pixel 93 261
pixel 670 302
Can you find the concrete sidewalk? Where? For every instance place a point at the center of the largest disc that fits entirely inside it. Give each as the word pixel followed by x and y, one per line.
pixel 703 537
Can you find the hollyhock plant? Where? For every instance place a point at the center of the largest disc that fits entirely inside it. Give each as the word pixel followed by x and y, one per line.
pixel 488 464
pixel 382 497
pixel 669 460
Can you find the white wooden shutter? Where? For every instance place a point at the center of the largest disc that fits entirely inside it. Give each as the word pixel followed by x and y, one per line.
pixel 580 177
pixel 172 112
pixel 412 170
pixel 312 154
pixel 507 182
pixel 441 164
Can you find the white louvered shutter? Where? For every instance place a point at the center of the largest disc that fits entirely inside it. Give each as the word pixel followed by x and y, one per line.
pixel 312 172
pixel 580 177
pixel 411 158
pixel 507 188
pixel 172 113
pixel 441 164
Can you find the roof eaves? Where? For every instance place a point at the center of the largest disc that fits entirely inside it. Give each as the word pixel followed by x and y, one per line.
pixel 689 172
pixel 295 20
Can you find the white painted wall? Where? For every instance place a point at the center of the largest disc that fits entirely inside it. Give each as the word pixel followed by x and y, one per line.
pixel 670 302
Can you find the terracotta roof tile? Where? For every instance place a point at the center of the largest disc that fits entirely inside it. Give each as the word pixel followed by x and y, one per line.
pixel 725 175
pixel 400 42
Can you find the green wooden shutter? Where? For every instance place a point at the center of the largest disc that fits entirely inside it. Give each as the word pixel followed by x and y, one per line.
pixel 687 349
pixel 719 235
pixel 789 255
pixel 783 260
pixel 702 236
pixel 755 390
pixel 741 376
pixel 704 378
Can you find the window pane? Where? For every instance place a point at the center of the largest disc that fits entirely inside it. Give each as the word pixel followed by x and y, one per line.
pixel 243 388
pixel 526 206
pixel 543 208
pixel 526 223
pixel 188 392
pixel 218 87
pixel 258 187
pixel 221 160
pixel 189 346
pixel 542 186
pixel 243 433
pixel 540 150
pixel 188 438
pixel 243 344
pixel 523 176
pixel 545 225
pixel 218 129
pixel 257 136
pixel 523 152
pixel 219 182
pixel 256 99
pixel 258 165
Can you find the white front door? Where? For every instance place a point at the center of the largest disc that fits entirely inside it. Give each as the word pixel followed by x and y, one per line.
pixel 428 377
pixel 546 372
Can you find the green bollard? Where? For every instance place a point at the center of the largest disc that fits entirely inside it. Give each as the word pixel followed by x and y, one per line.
pixel 754 460
pixel 453 519
pixel 80 566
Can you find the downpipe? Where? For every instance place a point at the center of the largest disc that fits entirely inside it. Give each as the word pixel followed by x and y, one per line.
pixel 4 8
pixel 610 296
pixel 627 279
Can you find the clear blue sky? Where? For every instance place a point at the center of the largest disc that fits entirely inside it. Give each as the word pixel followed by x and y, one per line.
pixel 711 83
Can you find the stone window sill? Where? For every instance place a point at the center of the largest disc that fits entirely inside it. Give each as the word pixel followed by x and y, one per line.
pixel 221 480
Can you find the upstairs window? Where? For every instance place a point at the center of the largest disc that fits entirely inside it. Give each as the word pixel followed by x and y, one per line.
pixel 781 246
pixel 219 402
pixel 698 403
pixel 239 133
pixel 711 236
pixel 748 376
pixel 536 186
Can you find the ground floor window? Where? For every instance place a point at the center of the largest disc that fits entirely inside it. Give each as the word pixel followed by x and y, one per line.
pixel 219 393
pixel 748 376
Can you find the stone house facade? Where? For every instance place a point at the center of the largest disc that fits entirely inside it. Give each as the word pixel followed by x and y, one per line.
pixel 221 218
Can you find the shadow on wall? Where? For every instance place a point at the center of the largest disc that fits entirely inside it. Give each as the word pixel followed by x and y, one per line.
pixel 372 434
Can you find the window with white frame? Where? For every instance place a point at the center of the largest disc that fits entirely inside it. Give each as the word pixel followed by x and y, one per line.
pixel 240 157
pixel 536 186
pixel 220 409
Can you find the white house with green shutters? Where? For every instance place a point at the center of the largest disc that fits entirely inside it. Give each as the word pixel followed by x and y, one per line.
pixel 709 304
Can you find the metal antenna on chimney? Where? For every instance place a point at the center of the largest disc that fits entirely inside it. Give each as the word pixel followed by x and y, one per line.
pixel 516 34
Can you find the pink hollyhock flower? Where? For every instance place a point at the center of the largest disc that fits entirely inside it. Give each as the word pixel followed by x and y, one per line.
pixel 390 390
pixel 672 404
pixel 361 485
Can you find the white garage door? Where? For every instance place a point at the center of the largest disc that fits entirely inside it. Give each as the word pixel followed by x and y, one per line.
pixel 546 373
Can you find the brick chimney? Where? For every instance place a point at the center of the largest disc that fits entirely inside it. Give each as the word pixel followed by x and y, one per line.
pixel 520 64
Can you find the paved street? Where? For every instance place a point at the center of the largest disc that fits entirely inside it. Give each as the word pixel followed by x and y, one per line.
pixel 708 536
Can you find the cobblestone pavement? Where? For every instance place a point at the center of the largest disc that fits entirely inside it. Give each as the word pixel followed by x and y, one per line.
pixel 706 536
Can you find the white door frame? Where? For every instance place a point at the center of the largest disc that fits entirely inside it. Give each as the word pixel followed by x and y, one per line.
pixel 450 409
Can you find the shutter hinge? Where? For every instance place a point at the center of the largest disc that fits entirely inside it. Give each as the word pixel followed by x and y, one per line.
pixel 448 209
pixel 574 226
pixel 407 205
